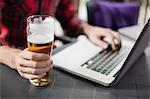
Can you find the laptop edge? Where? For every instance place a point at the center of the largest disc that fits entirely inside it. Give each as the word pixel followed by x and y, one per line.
pixel 135 53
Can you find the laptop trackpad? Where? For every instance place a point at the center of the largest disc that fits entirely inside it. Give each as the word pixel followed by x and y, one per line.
pixel 76 54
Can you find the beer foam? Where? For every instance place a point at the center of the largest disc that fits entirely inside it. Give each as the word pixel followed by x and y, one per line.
pixel 45 26
pixel 49 19
pixel 40 38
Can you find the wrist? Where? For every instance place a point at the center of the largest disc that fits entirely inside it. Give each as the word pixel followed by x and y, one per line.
pixel 84 27
pixel 7 56
pixel 2 52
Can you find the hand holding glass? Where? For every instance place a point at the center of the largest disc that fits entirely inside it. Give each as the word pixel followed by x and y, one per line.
pixel 40 36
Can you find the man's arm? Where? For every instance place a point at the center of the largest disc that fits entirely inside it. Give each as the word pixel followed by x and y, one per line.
pixel 7 56
pixel 21 60
pixel 67 14
pixel 98 34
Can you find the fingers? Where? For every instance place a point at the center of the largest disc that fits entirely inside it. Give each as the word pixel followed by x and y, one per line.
pixel 109 39
pixel 34 56
pixel 96 33
pixel 100 43
pixel 114 37
pixel 34 71
pixel 33 64
pixel 118 39
pixel 30 69
pixel 54 46
pixel 31 76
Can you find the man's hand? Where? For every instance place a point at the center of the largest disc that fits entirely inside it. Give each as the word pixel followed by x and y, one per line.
pixel 32 65
pixel 96 35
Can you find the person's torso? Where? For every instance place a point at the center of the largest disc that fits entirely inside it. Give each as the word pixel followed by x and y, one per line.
pixel 15 13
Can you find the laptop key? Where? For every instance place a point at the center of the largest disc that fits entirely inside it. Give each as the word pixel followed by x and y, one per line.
pixel 90 62
pixel 106 61
pixel 85 65
pixel 96 59
pixel 114 58
pixel 105 70
pixel 101 60
pixel 115 62
pixel 106 55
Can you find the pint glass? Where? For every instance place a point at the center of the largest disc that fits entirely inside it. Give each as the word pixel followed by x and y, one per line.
pixel 40 36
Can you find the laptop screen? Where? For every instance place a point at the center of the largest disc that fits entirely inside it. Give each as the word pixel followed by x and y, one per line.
pixel 138 48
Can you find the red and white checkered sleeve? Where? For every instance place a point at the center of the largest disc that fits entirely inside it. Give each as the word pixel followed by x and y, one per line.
pixel 67 14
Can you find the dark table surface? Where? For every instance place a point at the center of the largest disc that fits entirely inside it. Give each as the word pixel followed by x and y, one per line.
pixel 134 85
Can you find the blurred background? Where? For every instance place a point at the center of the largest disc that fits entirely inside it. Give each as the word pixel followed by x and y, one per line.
pixel 114 14
pixel 132 12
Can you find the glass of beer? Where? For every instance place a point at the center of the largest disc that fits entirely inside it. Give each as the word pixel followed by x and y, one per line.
pixel 40 36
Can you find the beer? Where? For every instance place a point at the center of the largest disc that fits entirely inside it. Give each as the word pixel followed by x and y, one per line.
pixel 40 36
pixel 40 44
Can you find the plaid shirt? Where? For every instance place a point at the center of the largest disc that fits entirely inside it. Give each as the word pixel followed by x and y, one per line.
pixel 15 12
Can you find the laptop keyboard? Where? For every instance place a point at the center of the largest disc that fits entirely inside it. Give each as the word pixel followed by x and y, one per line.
pixel 106 61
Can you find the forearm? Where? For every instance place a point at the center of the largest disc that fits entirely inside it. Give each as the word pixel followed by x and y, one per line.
pixel 83 28
pixel 7 56
pixel 80 29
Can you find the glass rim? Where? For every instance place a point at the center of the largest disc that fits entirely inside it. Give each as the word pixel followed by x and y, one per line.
pixel 29 17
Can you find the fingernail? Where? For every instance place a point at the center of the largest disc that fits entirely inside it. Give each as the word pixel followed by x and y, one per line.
pixel 52 66
pixel 43 74
pixel 114 49
pixel 51 62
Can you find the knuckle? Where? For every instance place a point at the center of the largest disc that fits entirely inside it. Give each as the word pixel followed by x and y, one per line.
pixel 38 76
pixel 19 60
pixel 24 63
pixel 21 54
pixel 49 63
pixel 46 64
pixel 21 74
pixel 43 56
pixel 110 35
pixel 31 77
pixel 19 68
pixel 34 71
pixel 33 56
pixel 48 68
pixel 108 29
pixel 27 63
pixel 35 65
pixel 117 35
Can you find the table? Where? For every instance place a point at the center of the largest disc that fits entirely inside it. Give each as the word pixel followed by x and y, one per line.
pixel 134 85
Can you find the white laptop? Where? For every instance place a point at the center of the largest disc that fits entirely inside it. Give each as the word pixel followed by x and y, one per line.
pixel 85 59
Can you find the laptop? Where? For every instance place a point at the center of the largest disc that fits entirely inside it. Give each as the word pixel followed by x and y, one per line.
pixel 85 59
